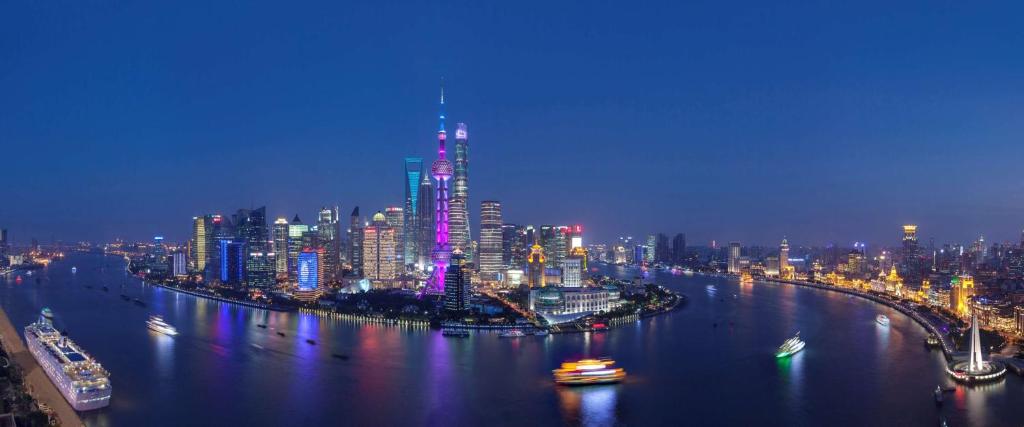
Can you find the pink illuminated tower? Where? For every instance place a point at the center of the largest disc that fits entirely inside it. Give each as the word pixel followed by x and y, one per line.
pixel 442 172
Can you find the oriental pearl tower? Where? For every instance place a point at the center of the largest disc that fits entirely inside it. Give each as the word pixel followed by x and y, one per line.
pixel 441 170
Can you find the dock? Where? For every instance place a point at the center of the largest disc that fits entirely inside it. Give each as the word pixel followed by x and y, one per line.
pixel 36 381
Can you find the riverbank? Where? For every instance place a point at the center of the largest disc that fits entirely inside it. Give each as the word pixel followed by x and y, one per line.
pixel 220 298
pixel 38 384
pixel 362 318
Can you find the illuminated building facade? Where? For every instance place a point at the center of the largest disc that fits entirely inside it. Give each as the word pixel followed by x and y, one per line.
pixel 459 235
pixel 232 263
pixel 410 223
pixel 279 234
pixel 783 257
pixel 456 284
pixel 380 252
pixel 199 245
pixel 328 227
pixel 355 242
pixel 309 285
pixel 535 267
pixel 296 231
pixel 572 272
pixel 425 223
pixel 442 171
pixel 961 291
pixel 395 217
pixel 734 258
pixel 491 241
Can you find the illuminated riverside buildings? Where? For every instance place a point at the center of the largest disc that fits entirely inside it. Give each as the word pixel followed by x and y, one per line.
pixel 961 292
pixel 649 249
pixel 395 217
pixel 296 231
pixel 280 238
pixel 490 256
pixel 459 235
pixel 309 284
pixel 734 258
pixel 199 245
pixel 329 233
pixel 535 267
pixel 783 258
pixel 355 243
pixel 410 222
pixel 380 251
pixel 251 229
pixel 456 284
pixel 231 263
pixel 572 272
pixel 425 223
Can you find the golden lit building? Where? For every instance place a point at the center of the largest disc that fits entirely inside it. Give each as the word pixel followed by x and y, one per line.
pixel 535 267
pixel 380 252
pixel 961 291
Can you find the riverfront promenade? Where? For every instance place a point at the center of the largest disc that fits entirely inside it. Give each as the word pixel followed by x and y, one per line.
pixel 37 382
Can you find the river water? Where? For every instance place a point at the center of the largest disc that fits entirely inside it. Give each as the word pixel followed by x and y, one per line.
pixel 223 370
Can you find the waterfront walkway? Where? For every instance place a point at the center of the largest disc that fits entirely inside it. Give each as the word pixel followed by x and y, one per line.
pixel 36 381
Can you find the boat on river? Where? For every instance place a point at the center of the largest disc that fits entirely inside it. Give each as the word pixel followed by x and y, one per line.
pixel 882 320
pixel 588 372
pixel 790 347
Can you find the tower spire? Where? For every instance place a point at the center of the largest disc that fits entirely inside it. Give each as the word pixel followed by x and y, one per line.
pixel 441 128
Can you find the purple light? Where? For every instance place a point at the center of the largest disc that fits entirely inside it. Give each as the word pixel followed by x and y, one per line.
pixel 441 170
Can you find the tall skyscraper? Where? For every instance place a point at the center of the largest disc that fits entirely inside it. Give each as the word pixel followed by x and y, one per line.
pixel 662 253
pixel 218 229
pixel 572 272
pixel 328 227
pixel 459 207
pixel 310 272
pixel 783 258
pixel 395 217
pixel 442 172
pixel 251 228
pixel 490 259
pixel 456 284
pixel 355 243
pixel 547 241
pixel 678 248
pixel 649 252
pixel 911 266
pixel 280 236
pixel 411 225
pixel 425 223
pixel 510 244
pixel 296 230
pixel 4 245
pixel 734 258
pixel 198 242
pixel 535 264
pixel 380 250
pixel 231 263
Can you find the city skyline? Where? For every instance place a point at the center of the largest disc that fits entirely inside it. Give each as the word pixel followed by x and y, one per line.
pixel 158 134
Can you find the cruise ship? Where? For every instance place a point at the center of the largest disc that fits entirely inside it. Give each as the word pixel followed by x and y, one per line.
pixel 156 323
pixel 589 371
pixel 790 347
pixel 82 381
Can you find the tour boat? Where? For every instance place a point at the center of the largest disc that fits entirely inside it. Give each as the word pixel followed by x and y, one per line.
pixel 74 270
pixel 882 320
pixel 455 333
pixel 156 323
pixel 511 333
pixel 589 371
pixel 790 347
pixel 746 278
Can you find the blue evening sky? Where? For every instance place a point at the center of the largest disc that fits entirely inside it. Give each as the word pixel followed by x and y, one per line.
pixel 821 121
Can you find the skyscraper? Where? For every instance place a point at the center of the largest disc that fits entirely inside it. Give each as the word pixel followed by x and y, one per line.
pixel 280 237
pixel 218 229
pixel 199 246
pixel 231 263
pixel 734 258
pixel 442 172
pixel 329 230
pixel 572 272
pixel 355 243
pixel 783 258
pixel 678 248
pixel 649 253
pixel 459 207
pixel 456 284
pixel 411 228
pixel 395 217
pixel 296 229
pixel 425 223
pixel 490 259
pixel 251 228
pixel 380 250
pixel 513 246
pixel 662 253
pixel 535 267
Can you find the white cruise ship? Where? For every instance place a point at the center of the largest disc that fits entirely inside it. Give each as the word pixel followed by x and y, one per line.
pixel 82 381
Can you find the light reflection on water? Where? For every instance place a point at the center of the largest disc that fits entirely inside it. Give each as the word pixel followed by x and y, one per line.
pixel 589 406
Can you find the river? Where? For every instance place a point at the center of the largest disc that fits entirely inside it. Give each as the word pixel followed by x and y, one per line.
pixel 223 370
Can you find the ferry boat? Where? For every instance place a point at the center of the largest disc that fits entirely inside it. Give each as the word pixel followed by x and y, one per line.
pixel 81 379
pixel 746 278
pixel 589 371
pixel 455 333
pixel 156 323
pixel 932 341
pixel 882 320
pixel 512 333
pixel 74 270
pixel 790 347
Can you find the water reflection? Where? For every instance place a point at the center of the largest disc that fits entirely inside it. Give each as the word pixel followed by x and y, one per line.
pixel 589 406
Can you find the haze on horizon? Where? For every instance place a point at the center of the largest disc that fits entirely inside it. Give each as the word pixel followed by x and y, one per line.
pixel 728 121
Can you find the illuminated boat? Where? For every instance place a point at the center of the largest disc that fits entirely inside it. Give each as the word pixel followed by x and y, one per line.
pixel 74 270
pixel 455 332
pixel 81 379
pixel 746 278
pixel 790 347
pixel 589 371
pixel 512 333
pixel 156 323
pixel 882 320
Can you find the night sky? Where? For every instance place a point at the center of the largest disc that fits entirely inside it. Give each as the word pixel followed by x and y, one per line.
pixel 825 121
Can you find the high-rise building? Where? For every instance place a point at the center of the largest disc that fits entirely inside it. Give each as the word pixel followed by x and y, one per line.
pixel 218 229
pixel 425 223
pixel 380 251
pixel 459 204
pixel 442 171
pixel 734 258
pixel 411 225
pixel 662 253
pixel 535 267
pixel 178 264
pixel 251 228
pixel 296 231
pixel 198 243
pixel 679 248
pixel 456 284
pixel 309 270
pixel 649 254
pixel 328 227
pixel 961 292
pixel 490 259
pixel 231 263
pixel 395 217
pixel 910 253
pixel 572 272
pixel 783 257
pixel 355 243
pixel 548 241
pixel 281 254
